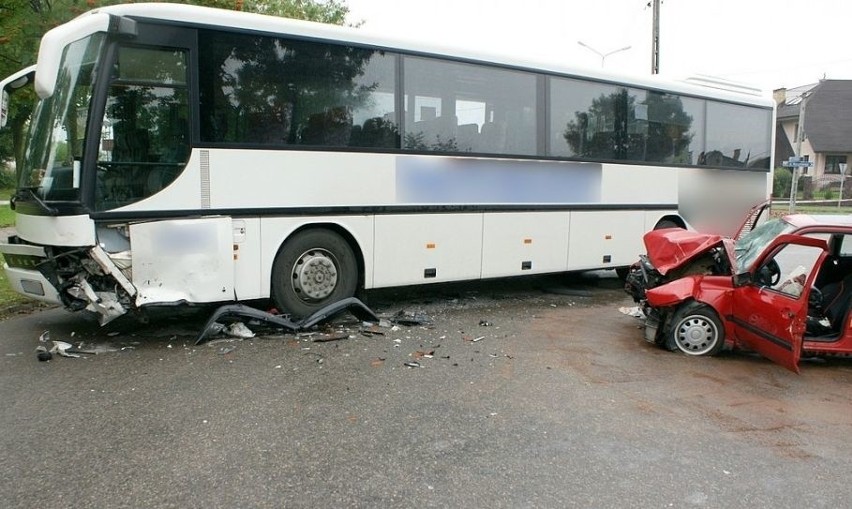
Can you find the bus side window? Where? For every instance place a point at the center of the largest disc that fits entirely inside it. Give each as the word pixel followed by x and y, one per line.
pixel 145 131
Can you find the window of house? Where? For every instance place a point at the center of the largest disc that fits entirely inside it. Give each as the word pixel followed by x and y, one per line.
pixel 833 162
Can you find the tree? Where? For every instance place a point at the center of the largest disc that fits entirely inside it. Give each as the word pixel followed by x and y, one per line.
pixel 23 22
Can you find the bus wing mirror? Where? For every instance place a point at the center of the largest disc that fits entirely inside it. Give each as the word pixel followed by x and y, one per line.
pixel 10 84
pixel 4 108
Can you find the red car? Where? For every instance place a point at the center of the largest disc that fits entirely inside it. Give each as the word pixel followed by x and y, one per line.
pixel 782 290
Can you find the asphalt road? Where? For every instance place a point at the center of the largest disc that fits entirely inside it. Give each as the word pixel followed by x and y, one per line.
pixel 553 401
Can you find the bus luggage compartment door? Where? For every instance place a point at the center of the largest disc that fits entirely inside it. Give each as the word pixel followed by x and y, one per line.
pixel 183 260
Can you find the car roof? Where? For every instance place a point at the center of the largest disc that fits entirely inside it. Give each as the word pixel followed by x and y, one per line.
pixel 832 220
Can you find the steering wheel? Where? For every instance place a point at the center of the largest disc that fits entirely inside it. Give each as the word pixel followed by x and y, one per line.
pixel 769 274
pixel 775 272
pixel 815 299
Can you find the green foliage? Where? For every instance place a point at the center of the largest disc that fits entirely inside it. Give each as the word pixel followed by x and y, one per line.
pixel 7 179
pixel 781 183
pixel 7 216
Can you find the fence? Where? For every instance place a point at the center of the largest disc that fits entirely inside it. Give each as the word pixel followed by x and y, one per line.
pixel 816 195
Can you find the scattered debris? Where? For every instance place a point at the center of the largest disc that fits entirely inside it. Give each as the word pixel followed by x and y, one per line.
pixel 485 323
pixel 44 337
pixel 333 336
pixel 372 330
pixel 351 304
pixel 377 362
pixel 42 354
pixel 634 311
pixel 64 349
pixel 413 364
pixel 226 349
pixel 480 338
pixel 419 354
pixel 410 319
pixel 239 330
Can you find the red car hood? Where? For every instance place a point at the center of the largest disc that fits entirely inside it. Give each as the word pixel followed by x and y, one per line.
pixel 671 248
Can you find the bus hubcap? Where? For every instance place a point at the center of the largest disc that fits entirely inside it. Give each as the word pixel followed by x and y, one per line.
pixel 314 276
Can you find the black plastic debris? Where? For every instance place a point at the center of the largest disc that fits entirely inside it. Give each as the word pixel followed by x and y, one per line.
pixel 351 304
pixel 485 323
pixel 42 354
pixel 410 319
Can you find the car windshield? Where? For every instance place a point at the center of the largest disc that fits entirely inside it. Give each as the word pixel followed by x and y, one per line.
pixel 750 245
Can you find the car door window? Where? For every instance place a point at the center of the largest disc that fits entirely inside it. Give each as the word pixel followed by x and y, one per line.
pixel 789 270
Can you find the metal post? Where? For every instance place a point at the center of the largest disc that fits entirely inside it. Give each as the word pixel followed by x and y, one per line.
pixel 655 39
pixel 842 178
pixel 794 186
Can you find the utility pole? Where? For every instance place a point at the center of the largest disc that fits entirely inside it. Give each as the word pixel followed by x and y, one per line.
pixel 655 39
pixel 800 133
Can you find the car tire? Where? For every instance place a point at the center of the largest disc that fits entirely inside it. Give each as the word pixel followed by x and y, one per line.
pixel 697 330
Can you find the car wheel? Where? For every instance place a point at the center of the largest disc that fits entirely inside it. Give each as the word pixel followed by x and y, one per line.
pixel 697 330
pixel 313 269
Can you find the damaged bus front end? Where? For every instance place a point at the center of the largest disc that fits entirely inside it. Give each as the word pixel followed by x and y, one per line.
pixel 56 255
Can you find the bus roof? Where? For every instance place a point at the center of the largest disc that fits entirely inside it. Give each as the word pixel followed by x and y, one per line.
pixel 205 16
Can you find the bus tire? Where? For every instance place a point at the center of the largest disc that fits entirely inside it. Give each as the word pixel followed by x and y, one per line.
pixel 313 269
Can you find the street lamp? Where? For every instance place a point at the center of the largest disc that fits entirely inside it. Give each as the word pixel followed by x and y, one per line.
pixel 602 55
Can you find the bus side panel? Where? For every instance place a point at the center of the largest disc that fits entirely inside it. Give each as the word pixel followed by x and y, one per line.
pixel 605 238
pixel 248 283
pixel 274 232
pixel 639 184
pixel 524 243
pixel 412 249
pixel 183 260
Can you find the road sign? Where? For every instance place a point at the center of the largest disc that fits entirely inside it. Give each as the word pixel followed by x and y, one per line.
pixel 795 162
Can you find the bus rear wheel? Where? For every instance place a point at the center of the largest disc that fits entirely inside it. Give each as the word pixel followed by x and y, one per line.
pixel 312 270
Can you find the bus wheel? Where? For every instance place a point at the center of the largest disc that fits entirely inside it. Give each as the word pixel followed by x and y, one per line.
pixel 314 269
pixel 697 330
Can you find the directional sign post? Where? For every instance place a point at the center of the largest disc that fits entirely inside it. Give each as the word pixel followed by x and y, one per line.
pixel 795 163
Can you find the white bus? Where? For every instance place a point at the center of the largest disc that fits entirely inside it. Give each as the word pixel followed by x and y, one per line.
pixel 181 154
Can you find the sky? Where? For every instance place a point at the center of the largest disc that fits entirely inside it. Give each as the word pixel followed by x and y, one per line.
pixel 765 43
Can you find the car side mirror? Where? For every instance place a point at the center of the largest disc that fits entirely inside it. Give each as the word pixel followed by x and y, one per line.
pixel 742 279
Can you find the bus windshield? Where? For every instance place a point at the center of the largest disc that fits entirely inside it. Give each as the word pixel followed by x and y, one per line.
pixel 51 167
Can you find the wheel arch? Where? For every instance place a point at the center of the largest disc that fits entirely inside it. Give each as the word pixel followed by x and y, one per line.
pixel 339 229
pixel 663 222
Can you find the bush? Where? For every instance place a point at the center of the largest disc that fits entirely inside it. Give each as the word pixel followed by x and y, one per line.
pixel 7 177
pixel 781 183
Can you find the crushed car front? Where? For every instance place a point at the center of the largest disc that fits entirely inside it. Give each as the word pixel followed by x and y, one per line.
pixel 682 265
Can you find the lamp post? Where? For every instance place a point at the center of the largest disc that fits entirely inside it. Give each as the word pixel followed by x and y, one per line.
pixel 602 55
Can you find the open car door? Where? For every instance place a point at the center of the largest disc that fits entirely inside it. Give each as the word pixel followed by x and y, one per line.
pixel 770 303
